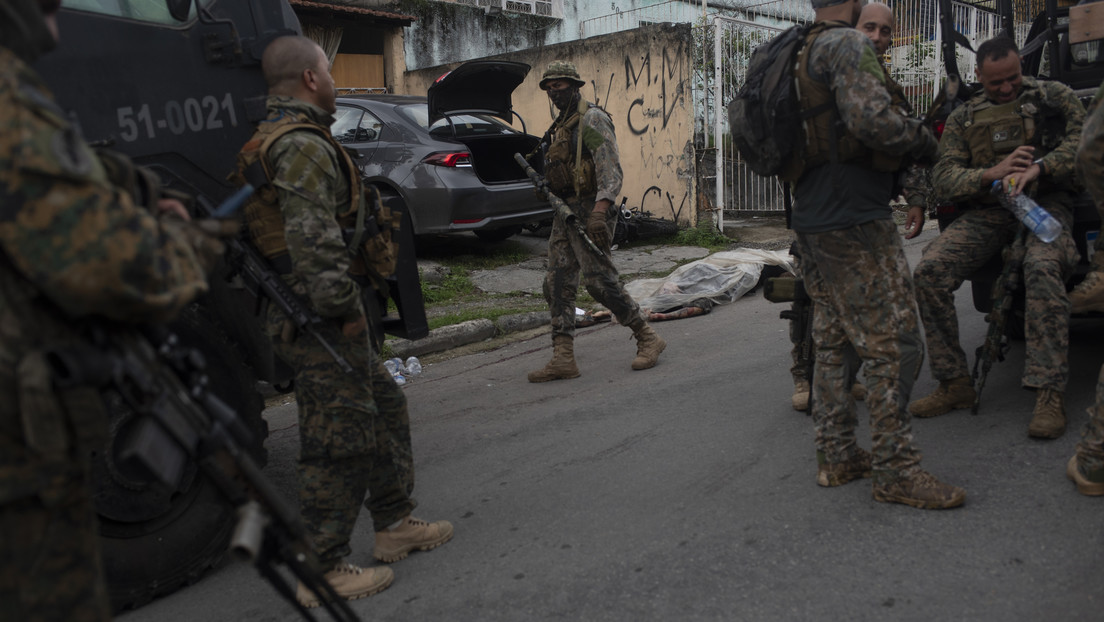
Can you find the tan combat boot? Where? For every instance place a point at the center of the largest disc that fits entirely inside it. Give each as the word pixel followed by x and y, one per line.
pixel 839 473
pixel 562 366
pixel 350 582
pixel 1089 294
pixel 1049 418
pixel 1091 484
pixel 950 395
pixel 395 543
pixel 800 399
pixel 648 346
pixel 920 490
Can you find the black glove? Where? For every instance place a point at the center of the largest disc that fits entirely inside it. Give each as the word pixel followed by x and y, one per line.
pixel 597 230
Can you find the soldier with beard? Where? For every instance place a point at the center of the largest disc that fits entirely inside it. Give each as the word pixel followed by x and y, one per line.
pixel 582 168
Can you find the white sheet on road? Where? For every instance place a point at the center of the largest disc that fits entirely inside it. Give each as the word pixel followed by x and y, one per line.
pixel 721 278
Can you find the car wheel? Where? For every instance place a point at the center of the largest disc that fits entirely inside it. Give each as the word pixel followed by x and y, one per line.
pixel 497 235
pixel 156 541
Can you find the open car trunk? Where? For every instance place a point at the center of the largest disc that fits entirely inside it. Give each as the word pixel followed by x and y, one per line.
pixel 493 156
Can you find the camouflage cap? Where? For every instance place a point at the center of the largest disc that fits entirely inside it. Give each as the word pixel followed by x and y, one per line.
pixel 823 4
pixel 560 70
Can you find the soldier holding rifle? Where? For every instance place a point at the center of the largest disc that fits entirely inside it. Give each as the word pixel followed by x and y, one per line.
pixel 583 168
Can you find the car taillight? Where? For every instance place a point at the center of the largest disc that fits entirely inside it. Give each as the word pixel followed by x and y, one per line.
pixel 938 128
pixel 456 159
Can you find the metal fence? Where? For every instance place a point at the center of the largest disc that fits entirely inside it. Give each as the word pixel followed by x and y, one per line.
pixel 725 37
pixel 915 60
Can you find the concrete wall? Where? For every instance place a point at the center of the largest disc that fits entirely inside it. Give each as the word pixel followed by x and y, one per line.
pixel 642 78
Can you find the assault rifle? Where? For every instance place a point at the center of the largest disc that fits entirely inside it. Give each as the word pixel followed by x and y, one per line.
pixel 179 420
pixel 792 289
pixel 563 212
pixel 261 280
pixel 996 344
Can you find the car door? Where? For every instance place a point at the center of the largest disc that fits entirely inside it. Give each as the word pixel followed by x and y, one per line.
pixel 357 130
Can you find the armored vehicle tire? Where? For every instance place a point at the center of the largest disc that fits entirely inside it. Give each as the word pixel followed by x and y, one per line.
pixel 156 541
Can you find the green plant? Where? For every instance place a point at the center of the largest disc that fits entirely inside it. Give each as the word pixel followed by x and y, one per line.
pixel 475 314
pixel 704 235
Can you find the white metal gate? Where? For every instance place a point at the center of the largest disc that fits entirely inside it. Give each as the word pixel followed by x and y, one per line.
pixel 915 60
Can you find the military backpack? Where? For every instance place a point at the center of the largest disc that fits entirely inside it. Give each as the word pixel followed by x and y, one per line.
pixel 765 116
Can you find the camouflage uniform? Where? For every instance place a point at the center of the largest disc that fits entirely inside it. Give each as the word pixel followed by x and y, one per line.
pixel 1091 164
pixel 985 229
pixel 1090 169
pixel 354 430
pixel 74 246
pixel 854 265
pixel 800 368
pixel 568 253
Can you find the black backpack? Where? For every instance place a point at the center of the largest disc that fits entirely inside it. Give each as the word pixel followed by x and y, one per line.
pixel 765 116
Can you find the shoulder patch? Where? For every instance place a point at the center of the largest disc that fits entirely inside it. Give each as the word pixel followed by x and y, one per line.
pixel 868 62
pixel 592 138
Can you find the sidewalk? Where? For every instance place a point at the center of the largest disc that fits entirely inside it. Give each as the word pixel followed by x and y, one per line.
pixel 767 233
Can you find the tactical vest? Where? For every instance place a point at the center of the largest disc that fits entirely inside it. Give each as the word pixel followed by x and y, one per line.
pixel 993 131
pixel 570 169
pixel 371 229
pixel 827 139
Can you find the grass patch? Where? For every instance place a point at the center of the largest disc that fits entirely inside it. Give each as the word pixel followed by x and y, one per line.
pixel 476 314
pixel 704 235
pixel 454 286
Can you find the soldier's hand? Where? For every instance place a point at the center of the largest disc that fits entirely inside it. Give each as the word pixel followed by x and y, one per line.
pixel 914 222
pixel 596 227
pixel 354 328
pixel 172 207
pixel 1016 182
pixel 1013 164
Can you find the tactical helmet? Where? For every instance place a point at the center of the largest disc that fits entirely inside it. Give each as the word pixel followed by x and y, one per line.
pixel 822 4
pixel 560 70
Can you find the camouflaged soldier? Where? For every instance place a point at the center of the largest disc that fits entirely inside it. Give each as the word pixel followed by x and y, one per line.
pixel 1022 132
pixel 354 430
pixel 583 169
pixel 854 264
pixel 76 247
pixel 877 22
pixel 1086 466
pixel 1088 296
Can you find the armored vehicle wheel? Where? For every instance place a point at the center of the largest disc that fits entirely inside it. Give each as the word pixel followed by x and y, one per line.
pixel 154 540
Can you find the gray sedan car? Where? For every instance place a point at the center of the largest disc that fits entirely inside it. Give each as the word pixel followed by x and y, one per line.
pixel 445 157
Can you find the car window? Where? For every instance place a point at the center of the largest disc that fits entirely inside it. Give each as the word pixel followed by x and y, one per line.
pixel 346 121
pixel 369 128
pixel 465 124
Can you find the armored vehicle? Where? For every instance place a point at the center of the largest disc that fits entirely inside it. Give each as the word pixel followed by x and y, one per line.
pixel 176 85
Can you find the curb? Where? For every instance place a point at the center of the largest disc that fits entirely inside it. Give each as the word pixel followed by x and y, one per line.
pixel 471 331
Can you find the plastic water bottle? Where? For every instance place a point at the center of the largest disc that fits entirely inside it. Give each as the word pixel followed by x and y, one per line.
pixel 399 368
pixel 390 365
pixel 413 366
pixel 1031 214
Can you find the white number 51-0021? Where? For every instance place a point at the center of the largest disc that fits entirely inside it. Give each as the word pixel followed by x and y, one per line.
pixel 191 115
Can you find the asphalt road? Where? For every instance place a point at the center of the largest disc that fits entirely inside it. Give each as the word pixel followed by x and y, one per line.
pixel 687 492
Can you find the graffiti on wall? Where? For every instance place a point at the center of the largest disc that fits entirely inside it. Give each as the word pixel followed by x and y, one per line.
pixel 653 108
